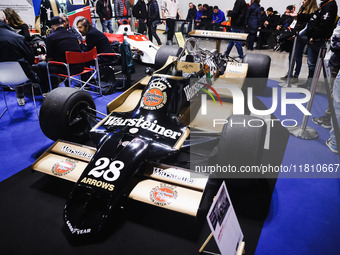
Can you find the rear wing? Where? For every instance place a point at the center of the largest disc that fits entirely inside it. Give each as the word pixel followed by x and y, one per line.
pixel 218 35
pixel 161 185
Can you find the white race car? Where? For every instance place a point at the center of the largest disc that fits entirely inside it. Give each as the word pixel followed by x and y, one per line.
pixel 143 48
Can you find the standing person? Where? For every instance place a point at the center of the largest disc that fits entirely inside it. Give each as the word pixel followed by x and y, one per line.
pixel 218 18
pixel 170 9
pixel 319 29
pixel 14 47
pixel 263 19
pixel 93 13
pixel 104 11
pixel 308 7
pixel 153 20
pixel 198 15
pixel 331 141
pixel 122 10
pixel 139 12
pixel 334 66
pixel 238 18
pixel 253 22
pixel 17 24
pixel 191 16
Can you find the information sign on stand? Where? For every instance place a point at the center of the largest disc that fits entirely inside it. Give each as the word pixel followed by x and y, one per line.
pixel 224 225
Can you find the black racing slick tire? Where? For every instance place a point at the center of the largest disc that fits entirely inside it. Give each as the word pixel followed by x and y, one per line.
pixel 258 71
pixel 61 114
pixel 241 145
pixel 164 52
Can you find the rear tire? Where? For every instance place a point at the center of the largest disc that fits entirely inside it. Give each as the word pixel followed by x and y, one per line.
pixel 164 52
pixel 258 71
pixel 61 114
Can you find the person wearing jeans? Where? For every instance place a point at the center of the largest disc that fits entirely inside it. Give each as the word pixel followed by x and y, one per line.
pixel 238 17
pixel 237 44
pixel 331 142
pixel 170 9
pixel 104 10
pixel 153 19
pixel 192 13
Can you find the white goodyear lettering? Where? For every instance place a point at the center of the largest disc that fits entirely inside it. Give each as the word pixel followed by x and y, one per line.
pixel 143 124
pixel 77 230
pixel 99 184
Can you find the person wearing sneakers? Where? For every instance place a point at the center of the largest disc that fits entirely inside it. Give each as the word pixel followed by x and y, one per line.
pixel 238 19
pixel 14 47
pixel 153 19
pixel 331 141
pixel 170 9
pixel 334 66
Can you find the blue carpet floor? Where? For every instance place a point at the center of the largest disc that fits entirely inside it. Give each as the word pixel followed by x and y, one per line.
pixel 304 212
pixel 303 217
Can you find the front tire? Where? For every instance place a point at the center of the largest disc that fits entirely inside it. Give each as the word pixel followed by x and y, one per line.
pixel 61 114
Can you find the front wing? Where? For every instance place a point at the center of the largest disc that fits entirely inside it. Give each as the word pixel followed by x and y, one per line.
pixel 165 186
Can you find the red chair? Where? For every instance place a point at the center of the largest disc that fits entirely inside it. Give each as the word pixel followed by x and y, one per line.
pixel 78 58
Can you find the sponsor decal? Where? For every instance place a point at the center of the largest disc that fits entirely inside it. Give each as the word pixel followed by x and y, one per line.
pixel 75 152
pixel 99 184
pixel 140 123
pixel 192 90
pixel 155 97
pixel 77 230
pixel 63 167
pixel 188 66
pixel 161 172
pixel 163 194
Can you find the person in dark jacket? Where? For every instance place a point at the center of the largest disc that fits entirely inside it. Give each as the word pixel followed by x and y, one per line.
pixel 191 16
pixel 320 27
pixel 139 12
pixel 57 43
pixel 267 36
pixel 14 47
pixel 104 11
pixel 95 38
pixel 308 7
pixel 153 20
pixel 206 17
pixel 253 22
pixel 238 17
pixel 122 10
pixel 218 18
pixel 286 19
pixel 71 29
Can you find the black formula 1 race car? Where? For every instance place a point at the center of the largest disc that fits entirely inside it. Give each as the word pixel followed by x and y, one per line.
pixel 152 136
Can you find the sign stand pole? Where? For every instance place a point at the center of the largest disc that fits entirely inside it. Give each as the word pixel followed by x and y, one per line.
pixel 240 249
